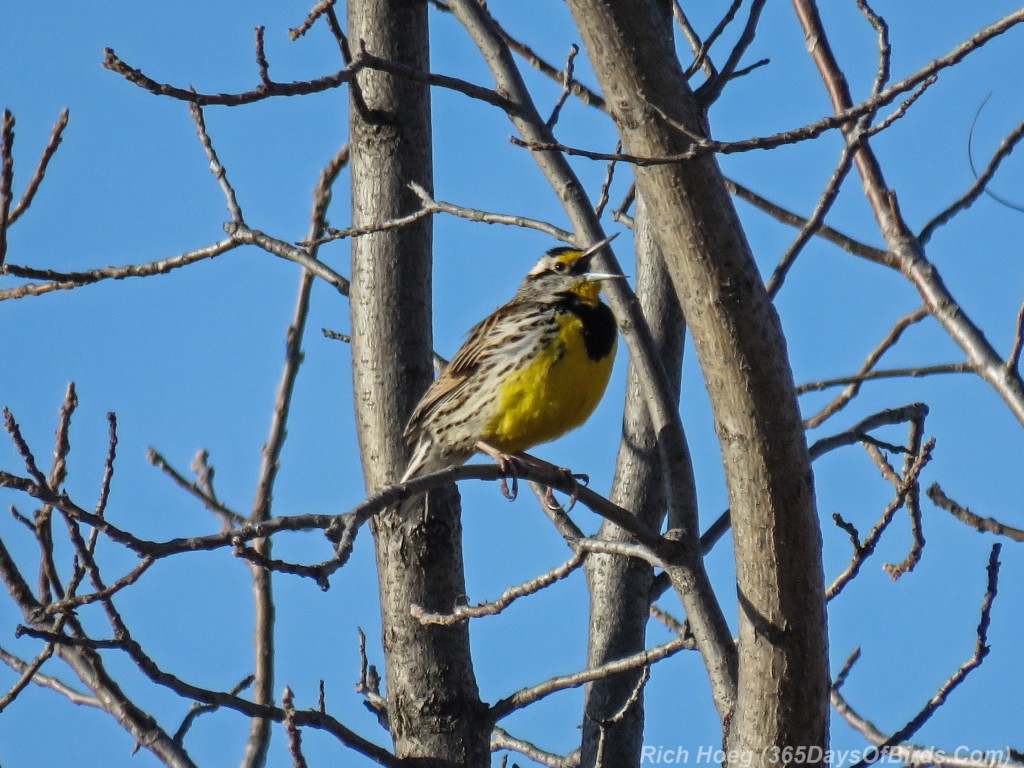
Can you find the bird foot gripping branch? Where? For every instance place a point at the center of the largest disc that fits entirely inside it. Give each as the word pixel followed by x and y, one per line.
pixel 509 465
pixel 529 372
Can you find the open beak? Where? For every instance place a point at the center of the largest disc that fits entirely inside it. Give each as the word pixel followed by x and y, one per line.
pixel 588 254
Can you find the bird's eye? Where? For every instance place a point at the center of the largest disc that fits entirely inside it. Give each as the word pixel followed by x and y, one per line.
pixel 560 267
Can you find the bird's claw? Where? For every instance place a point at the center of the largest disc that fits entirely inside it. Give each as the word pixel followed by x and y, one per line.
pixel 508 470
pixel 577 481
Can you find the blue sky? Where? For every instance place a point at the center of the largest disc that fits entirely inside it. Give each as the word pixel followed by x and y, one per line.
pixel 191 359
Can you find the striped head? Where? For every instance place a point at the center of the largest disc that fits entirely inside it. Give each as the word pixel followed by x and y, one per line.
pixel 562 271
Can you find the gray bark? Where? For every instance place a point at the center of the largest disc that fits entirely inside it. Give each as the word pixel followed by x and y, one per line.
pixel 620 587
pixel 782 692
pixel 433 706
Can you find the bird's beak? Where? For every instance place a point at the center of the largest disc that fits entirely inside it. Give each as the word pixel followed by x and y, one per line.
pixel 588 254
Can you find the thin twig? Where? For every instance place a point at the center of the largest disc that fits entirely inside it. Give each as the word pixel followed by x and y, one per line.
pixel 1013 359
pixel 229 516
pixel 216 167
pixel 23 450
pixel 63 281
pixel 701 56
pixel 507 597
pixel 824 231
pixel 709 92
pixel 288 251
pixel 966 516
pixel 864 373
pixel 488 95
pixel 487 217
pixel 526 696
pixel 56 133
pixel 870 542
pixel 567 79
pixel 47 681
pixel 315 13
pixel 502 739
pixel 261 56
pixel 825 201
pixel 977 189
pixel 263 91
pixel 609 175
pixel 198 709
pixel 981 650
pixel 859 432
pixel 578 89
pixel 6 178
pixel 76 601
pixel 291 729
pixel 27 674
pixel 912 504
pixel 330 233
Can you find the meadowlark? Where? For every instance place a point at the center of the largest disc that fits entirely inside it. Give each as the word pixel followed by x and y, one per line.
pixel 528 373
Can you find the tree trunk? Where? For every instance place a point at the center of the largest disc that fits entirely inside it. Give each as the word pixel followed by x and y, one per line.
pixel 782 697
pixel 433 706
pixel 620 587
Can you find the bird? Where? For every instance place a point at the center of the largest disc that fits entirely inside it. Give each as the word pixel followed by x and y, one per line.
pixel 529 372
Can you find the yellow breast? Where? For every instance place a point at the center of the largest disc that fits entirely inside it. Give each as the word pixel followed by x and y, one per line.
pixel 551 395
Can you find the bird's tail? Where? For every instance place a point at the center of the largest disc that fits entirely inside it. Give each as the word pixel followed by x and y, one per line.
pixel 423 461
pixel 427 457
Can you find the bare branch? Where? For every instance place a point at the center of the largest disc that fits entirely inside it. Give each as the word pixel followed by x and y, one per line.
pixel 261 56
pixel 291 728
pixel 502 739
pixel 709 92
pixel 906 250
pixel 487 217
pixel 913 754
pixel 825 201
pixel 315 13
pixel 527 696
pixel 859 431
pixel 824 231
pixel 1013 360
pixel 867 547
pixel 509 596
pixel 229 516
pixel 966 516
pixel 609 175
pixel 265 90
pixel 981 650
pixel 884 373
pixel 44 161
pixel 578 89
pixel 701 57
pixel 28 672
pixel 368 60
pixel 198 709
pixel 330 233
pixel 913 504
pixel 567 79
pixel 216 167
pixel 977 189
pixel 63 281
pixel 291 253
pixel 22 447
pixel 46 681
pixel 694 41
pixel 865 371
pixel 6 178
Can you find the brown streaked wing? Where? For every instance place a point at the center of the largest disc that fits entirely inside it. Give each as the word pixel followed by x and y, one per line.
pixel 480 341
